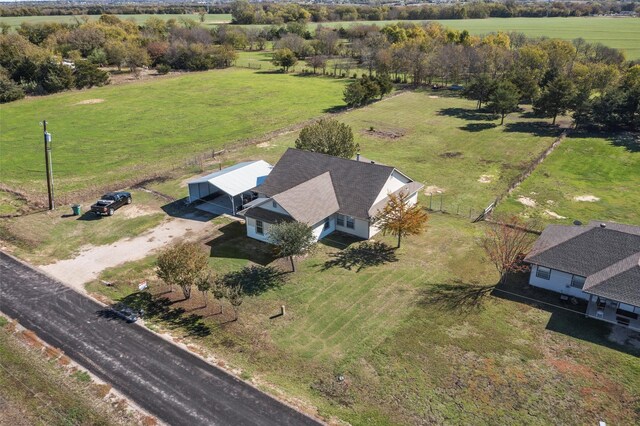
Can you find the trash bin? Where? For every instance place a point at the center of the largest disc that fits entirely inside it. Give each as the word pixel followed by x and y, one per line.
pixel 77 209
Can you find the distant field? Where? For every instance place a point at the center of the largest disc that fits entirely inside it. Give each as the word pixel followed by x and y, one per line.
pixel 585 178
pixel 132 130
pixel 15 21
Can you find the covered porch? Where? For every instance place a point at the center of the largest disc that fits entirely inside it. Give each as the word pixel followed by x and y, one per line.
pixel 614 312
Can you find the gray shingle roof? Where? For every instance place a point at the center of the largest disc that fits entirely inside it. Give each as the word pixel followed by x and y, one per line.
pixel 410 188
pixel 608 256
pixel 311 201
pixel 267 215
pixel 356 184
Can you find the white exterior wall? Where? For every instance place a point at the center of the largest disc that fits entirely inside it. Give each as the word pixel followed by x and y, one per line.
pixel 360 228
pixel 318 229
pixel 251 230
pixel 559 281
pixel 373 230
pixel 395 182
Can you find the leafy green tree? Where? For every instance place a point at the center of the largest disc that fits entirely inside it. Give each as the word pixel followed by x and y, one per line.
pixel 54 77
pixel 328 136
pixel 182 264
pixel 116 52
pixel 504 99
pixel 88 75
pixel 355 94
pixel 204 284
pixel 556 98
pixel 284 58
pixel 385 84
pixel 479 89
pixel 291 239
pixel 235 296
pixel 400 219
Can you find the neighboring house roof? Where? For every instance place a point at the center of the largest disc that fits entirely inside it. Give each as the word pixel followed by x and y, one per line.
pixel 267 215
pixel 239 178
pixel 356 183
pixel 311 201
pixel 606 253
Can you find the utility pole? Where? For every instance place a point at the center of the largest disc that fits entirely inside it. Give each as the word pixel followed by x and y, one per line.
pixel 47 160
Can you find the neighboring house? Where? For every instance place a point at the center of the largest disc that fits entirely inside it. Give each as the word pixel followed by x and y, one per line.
pixel 327 193
pixel 598 262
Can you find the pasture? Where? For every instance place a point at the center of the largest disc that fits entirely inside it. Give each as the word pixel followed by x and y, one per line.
pixel 210 19
pixel 120 133
pixel 585 178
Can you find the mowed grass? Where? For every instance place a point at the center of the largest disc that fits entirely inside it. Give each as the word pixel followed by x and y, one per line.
pixel 211 19
pixel 141 129
pixel 585 178
pixel 409 337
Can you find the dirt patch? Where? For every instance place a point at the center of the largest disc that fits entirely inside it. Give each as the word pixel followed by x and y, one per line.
pixel 264 145
pixel 90 102
pixel 485 178
pixel 434 97
pixel 385 134
pixel 430 190
pixel 587 198
pixel 527 201
pixel 135 211
pixel 553 214
pixel 455 154
pixel 92 260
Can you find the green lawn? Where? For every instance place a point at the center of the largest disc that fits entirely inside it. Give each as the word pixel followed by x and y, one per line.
pixel 585 178
pixel 142 129
pixel 212 19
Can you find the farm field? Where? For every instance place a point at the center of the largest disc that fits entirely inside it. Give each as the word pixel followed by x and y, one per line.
pixel 118 133
pixel 603 184
pixel 211 19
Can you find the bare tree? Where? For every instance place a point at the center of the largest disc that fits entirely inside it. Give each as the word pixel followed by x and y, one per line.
pixel 506 241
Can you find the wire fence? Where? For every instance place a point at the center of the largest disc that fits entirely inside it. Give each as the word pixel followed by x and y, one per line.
pixel 441 203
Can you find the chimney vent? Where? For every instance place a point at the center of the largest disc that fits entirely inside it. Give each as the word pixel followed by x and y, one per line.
pixel 603 225
pixel 358 156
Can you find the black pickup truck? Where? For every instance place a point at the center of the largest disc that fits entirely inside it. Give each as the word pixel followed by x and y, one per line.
pixel 110 202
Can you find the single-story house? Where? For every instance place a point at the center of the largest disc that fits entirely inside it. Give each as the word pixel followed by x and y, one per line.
pixel 598 262
pixel 325 192
pixel 227 190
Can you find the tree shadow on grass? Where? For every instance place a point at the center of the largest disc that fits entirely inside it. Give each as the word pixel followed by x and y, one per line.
pixel 538 128
pixel 477 127
pixel 627 140
pixel 233 243
pixel 456 297
pixel 336 109
pixel 362 256
pixel 254 279
pixel 468 114
pixel 159 308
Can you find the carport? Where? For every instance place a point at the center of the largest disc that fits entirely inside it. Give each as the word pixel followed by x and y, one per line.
pixel 225 191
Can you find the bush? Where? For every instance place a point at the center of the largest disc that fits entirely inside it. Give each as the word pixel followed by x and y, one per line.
pixel 9 90
pixel 163 69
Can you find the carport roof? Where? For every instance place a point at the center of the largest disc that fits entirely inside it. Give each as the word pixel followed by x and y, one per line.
pixel 239 178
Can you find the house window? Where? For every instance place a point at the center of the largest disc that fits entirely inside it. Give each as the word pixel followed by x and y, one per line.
pixel 577 281
pixel 275 205
pixel 327 223
pixel 259 227
pixel 544 273
pixel 350 222
pixel 340 220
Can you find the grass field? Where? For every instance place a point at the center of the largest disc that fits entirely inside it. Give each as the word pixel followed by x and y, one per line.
pixel 586 178
pixel 140 129
pixel 34 391
pixel 211 19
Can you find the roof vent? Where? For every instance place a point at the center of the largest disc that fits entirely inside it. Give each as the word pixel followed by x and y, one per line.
pixel 373 162
pixel 603 225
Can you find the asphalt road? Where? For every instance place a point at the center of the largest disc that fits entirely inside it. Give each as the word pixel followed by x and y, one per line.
pixel 171 383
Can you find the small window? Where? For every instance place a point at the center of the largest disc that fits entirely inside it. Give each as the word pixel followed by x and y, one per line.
pixel 327 223
pixel 544 273
pixel 275 205
pixel 350 222
pixel 340 220
pixel 577 281
pixel 259 227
